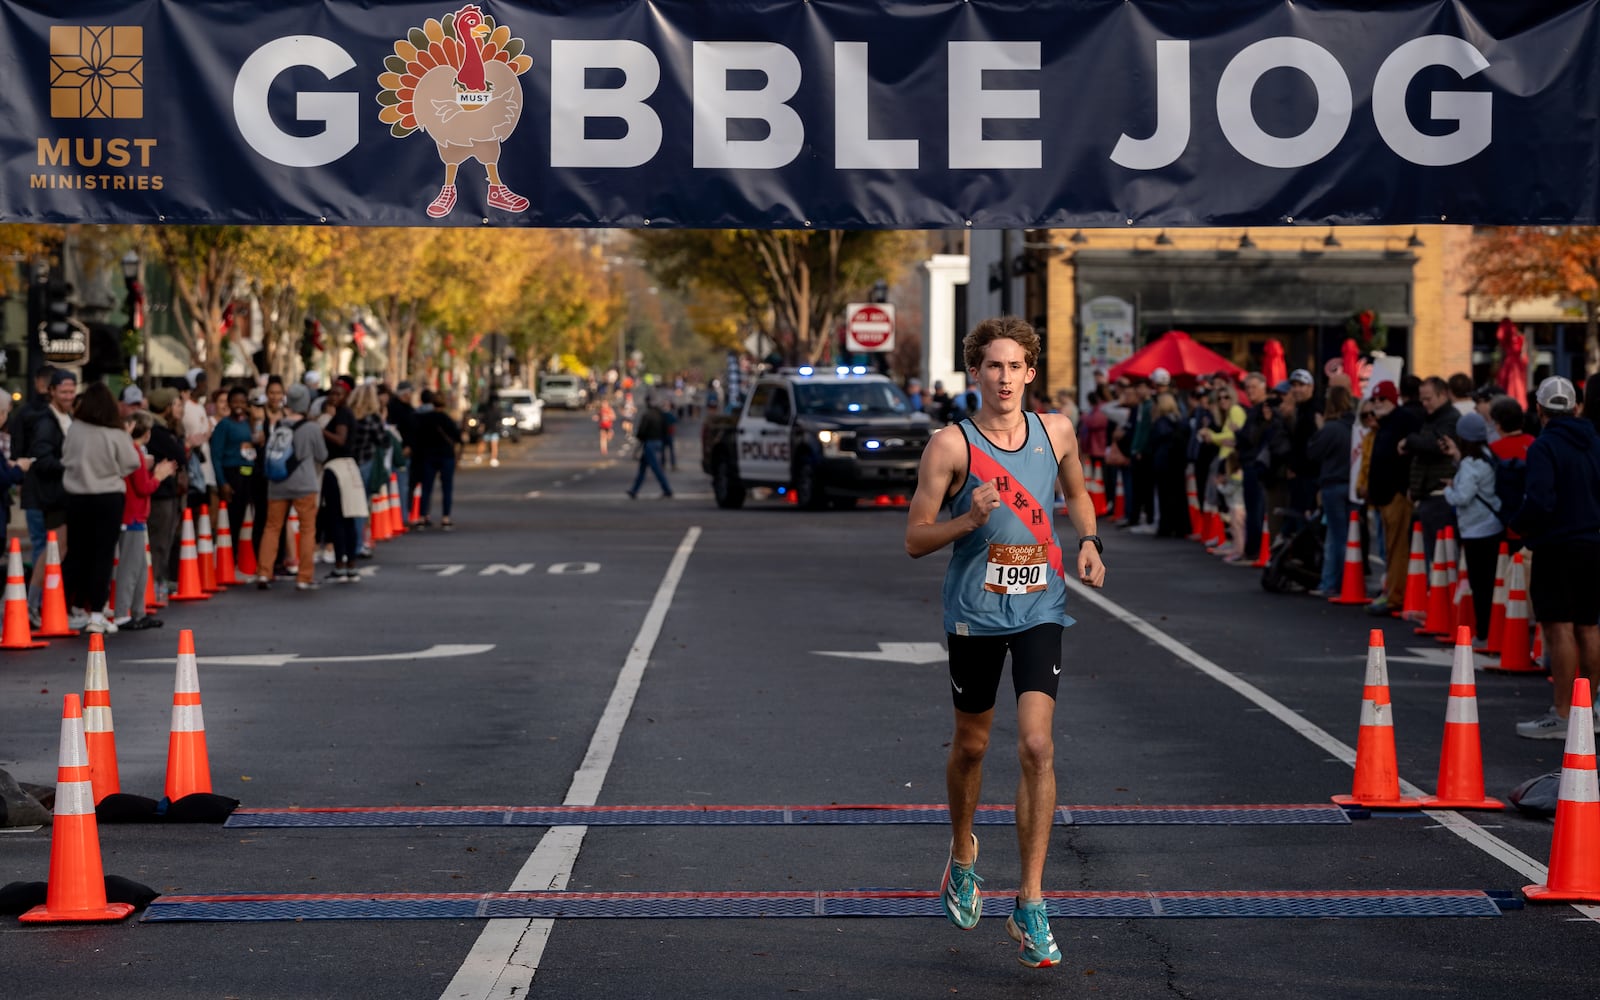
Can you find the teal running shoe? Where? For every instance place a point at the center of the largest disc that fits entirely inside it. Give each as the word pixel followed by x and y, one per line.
pixel 963 903
pixel 1030 925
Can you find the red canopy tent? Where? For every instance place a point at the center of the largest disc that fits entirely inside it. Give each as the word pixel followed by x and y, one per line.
pixel 1178 353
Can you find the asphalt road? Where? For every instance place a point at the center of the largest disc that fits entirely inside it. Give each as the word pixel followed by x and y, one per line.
pixel 721 619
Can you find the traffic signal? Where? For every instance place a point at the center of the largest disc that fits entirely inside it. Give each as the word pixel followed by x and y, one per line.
pixel 58 310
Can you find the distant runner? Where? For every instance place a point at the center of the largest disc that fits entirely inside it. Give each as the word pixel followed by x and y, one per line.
pixel 1003 592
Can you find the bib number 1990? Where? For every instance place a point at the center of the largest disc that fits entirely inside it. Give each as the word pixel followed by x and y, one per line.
pixel 1016 569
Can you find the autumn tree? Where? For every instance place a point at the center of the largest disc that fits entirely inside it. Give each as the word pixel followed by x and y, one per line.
pixel 793 283
pixel 206 267
pixel 1524 262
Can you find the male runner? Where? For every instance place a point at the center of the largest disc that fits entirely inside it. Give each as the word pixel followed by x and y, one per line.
pixel 1004 591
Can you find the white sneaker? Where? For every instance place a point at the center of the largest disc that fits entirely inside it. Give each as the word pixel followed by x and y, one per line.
pixel 1548 726
pixel 119 622
pixel 494 463
pixel 77 618
pixel 97 624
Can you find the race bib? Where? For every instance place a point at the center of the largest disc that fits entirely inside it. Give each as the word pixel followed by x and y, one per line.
pixel 1017 569
pixel 247 452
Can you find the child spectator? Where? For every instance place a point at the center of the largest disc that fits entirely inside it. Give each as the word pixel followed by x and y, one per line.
pixel 130 613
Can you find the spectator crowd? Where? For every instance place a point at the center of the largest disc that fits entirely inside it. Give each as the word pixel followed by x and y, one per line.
pixel 111 475
pixel 1300 457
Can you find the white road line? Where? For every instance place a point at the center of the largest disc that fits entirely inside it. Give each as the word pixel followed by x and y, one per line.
pixel 1456 823
pixel 502 963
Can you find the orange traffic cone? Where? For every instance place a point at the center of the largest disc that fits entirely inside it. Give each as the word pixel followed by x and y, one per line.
pixel 378 520
pixel 188 767
pixel 1497 605
pixel 1461 757
pixel 53 605
pixel 1439 614
pixel 245 557
pixel 1216 531
pixel 98 733
pixel 1096 485
pixel 1353 588
pixel 1574 874
pixel 1265 555
pixel 1415 606
pixel 416 503
pixel 227 572
pixel 205 552
pixel 17 632
pixel 1197 521
pixel 152 599
pixel 1538 642
pixel 1377 779
pixel 77 890
pixel 397 524
pixel 1465 612
pixel 291 559
pixel 1119 508
pixel 189 588
pixel 1514 639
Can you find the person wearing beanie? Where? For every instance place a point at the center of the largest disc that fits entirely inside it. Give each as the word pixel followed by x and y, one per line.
pixel 299 491
pixel 1387 480
pixel 1478 516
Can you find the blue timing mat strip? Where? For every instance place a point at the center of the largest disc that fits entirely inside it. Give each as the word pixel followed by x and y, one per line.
pixel 1241 815
pixel 851 903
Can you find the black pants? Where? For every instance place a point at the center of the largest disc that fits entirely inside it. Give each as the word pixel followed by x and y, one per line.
pixel 339 530
pixel 1483 554
pixel 94 524
pixel 1143 507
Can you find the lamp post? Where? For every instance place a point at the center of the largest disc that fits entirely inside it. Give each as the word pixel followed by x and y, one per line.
pixel 131 263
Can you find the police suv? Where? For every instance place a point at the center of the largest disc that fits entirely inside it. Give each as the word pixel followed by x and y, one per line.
pixel 832 436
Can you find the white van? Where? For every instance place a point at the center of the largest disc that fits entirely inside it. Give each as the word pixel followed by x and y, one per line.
pixel 563 390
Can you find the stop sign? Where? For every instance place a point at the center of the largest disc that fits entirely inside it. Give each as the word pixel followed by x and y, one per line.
pixel 869 326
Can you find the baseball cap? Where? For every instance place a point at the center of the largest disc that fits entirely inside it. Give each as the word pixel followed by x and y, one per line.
pixel 1471 427
pixel 1301 376
pixel 404 386
pixel 194 376
pixel 1281 387
pixel 61 375
pixel 313 379
pixel 1386 391
pixel 1557 395
pixel 132 395
pixel 1161 377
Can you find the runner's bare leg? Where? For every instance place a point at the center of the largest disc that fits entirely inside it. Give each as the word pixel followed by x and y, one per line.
pixel 1036 791
pixel 963 778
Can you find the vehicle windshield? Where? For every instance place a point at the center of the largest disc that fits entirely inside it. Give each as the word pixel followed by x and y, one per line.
pixel 514 398
pixel 845 399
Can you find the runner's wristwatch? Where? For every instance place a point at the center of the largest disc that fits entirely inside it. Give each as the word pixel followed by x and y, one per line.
pixel 1099 548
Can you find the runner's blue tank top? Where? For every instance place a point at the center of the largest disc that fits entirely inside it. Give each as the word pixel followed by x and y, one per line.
pixel 1006 576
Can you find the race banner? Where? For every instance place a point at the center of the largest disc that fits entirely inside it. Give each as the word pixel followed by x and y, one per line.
pixel 987 114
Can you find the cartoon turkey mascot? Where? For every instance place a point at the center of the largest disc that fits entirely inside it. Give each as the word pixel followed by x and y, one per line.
pixel 457 81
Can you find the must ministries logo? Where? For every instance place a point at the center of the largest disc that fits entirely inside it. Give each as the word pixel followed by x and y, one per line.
pixel 96 71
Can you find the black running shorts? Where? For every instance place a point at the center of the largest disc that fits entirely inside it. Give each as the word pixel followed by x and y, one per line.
pixel 1565 582
pixel 977 660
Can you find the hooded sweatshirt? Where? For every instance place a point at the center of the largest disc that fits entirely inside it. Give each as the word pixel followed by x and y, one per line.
pixel 1562 500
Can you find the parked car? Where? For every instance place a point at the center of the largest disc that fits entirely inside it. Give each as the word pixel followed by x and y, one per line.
pixel 526 407
pixel 564 390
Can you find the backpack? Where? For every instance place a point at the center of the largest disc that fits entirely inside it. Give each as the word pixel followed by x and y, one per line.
pixel 1510 483
pixel 281 460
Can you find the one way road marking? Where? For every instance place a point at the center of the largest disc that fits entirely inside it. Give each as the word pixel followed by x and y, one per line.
pixel 280 659
pixel 893 652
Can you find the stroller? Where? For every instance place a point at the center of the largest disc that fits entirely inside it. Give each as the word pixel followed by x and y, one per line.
pixel 1295 562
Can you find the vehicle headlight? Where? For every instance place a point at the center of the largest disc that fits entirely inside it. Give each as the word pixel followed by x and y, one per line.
pixel 472 421
pixel 507 421
pixel 832 441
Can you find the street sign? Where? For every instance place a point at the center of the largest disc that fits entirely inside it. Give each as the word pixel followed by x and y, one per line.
pixel 868 326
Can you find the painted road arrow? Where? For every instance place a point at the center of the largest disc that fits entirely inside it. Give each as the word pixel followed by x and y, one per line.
pixel 436 652
pixel 893 652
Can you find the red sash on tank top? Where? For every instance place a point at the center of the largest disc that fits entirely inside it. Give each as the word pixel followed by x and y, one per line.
pixel 1015 498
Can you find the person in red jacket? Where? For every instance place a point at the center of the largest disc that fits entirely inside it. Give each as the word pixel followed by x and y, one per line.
pixel 130 612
